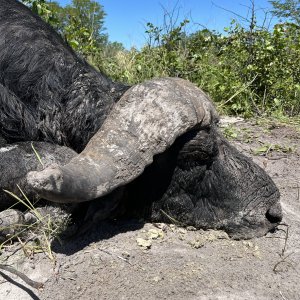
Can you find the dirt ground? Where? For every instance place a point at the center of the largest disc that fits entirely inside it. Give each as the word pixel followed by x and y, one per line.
pixel 132 260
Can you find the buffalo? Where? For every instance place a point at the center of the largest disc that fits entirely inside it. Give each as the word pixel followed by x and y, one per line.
pixel 152 150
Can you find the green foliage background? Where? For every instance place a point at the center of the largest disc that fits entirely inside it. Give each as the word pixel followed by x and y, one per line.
pixel 250 70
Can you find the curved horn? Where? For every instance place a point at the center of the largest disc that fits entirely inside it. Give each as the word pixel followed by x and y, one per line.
pixel 145 121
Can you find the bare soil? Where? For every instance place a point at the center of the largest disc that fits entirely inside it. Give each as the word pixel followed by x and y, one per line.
pixel 133 260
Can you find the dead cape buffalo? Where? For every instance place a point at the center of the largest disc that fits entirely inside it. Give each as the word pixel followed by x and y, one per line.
pixel 152 150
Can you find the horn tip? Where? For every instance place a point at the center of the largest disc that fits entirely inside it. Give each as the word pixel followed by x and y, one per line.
pixel 47 181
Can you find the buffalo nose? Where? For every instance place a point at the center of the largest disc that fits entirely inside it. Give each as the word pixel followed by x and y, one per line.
pixel 274 214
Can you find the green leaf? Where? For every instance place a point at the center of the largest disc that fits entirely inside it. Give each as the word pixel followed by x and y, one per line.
pixel 73 43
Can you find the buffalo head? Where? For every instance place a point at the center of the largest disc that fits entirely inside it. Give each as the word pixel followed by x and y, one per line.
pixel 161 146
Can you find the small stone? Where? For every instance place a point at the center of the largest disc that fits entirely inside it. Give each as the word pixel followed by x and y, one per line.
pixel 144 244
pixel 172 226
pixel 161 226
pixel 257 254
pixel 154 234
pixel 157 278
pixel 182 230
pixel 248 244
pixel 30 218
pixel 12 222
pixel 197 243
pixel 191 228
pixel 126 254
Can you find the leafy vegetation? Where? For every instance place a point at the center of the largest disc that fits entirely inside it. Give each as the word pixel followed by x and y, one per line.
pixel 266 148
pixel 249 70
pixel 287 9
pixel 81 23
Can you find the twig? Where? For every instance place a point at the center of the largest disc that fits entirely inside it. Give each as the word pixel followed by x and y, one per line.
pixel 264 98
pixel 276 157
pixel 282 295
pixel 282 261
pixel 32 283
pixel 283 251
pixel 267 152
pixel 37 155
pixel 14 251
pixel 245 86
pixel 172 219
pixel 254 104
pixel 230 11
pixel 285 240
pixel 118 256
pixel 11 254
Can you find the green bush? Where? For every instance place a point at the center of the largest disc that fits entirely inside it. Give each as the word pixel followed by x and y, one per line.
pixel 247 71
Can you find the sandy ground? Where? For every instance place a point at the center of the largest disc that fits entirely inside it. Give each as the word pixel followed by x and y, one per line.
pixel 131 260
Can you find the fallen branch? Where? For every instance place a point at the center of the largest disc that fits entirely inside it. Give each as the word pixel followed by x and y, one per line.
pixel 32 283
pixel 283 255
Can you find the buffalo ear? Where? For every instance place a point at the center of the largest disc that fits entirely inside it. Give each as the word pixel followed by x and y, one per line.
pixel 144 122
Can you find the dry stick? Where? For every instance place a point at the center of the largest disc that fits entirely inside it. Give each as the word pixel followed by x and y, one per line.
pixel 267 152
pixel 277 157
pixel 32 283
pixel 17 249
pixel 254 104
pixel 118 256
pixel 283 258
pixel 282 295
pixel 245 86
pixel 282 261
pixel 264 98
pixel 285 241
pixel 172 219
pixel 230 11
